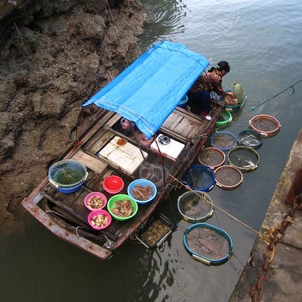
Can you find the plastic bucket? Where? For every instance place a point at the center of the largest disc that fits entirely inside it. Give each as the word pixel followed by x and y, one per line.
pixel 67 175
pixel 224 119
pixel 142 190
pixel 113 184
pixel 69 189
pixel 113 204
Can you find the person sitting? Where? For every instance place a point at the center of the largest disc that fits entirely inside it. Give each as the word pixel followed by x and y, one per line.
pixel 200 93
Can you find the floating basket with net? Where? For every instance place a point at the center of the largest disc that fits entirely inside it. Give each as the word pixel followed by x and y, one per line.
pixel 195 206
pixel 228 177
pixel 211 157
pixel 223 140
pixel 244 158
pixel 250 138
pixel 199 178
pixel 153 172
pixel 208 243
pixel 266 125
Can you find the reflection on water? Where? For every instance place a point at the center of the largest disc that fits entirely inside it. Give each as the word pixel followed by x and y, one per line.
pixel 165 20
pixel 155 274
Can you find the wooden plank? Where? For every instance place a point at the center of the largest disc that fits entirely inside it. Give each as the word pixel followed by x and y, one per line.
pixel 101 142
pixel 113 120
pixel 182 126
pixel 89 161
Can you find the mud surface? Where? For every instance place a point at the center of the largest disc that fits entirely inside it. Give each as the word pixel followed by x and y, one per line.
pixel 54 56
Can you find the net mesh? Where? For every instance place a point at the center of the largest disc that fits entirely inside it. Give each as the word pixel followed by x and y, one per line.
pixel 199 178
pixel 244 158
pixel 249 140
pixel 208 243
pixel 211 157
pixel 152 172
pixel 223 140
pixel 228 176
pixel 195 206
pixel 265 124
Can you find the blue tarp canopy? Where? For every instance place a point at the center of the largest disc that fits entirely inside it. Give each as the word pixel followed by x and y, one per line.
pixel 149 89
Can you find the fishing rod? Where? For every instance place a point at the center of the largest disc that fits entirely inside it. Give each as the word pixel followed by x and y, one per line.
pixel 287 88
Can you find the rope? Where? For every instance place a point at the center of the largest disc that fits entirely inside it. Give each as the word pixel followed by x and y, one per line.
pixel 277 94
pixel 222 210
pixel 77 128
pixel 115 28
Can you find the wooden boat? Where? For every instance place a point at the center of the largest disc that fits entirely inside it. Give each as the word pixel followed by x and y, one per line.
pixel 65 214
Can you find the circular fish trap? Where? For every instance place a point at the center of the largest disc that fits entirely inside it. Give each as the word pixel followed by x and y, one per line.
pixel 153 172
pixel 195 206
pixel 224 119
pixel 199 178
pixel 265 124
pixel 211 157
pixel 228 177
pixel 250 138
pixel 208 243
pixel 223 140
pixel 244 158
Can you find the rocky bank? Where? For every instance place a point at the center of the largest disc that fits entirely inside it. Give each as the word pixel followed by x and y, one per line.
pixel 54 55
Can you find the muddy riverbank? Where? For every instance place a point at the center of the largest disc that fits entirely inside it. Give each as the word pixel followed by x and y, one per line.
pixel 54 55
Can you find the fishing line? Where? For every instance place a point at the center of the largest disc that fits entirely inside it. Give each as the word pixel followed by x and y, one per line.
pixel 280 92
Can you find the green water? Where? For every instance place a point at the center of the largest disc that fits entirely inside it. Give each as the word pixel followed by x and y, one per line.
pixel 68 176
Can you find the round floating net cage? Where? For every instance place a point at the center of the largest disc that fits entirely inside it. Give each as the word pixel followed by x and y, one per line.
pixel 244 158
pixel 153 172
pixel 211 157
pixel 266 125
pixel 195 206
pixel 228 177
pixel 208 243
pixel 223 140
pixel 199 178
pixel 250 138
